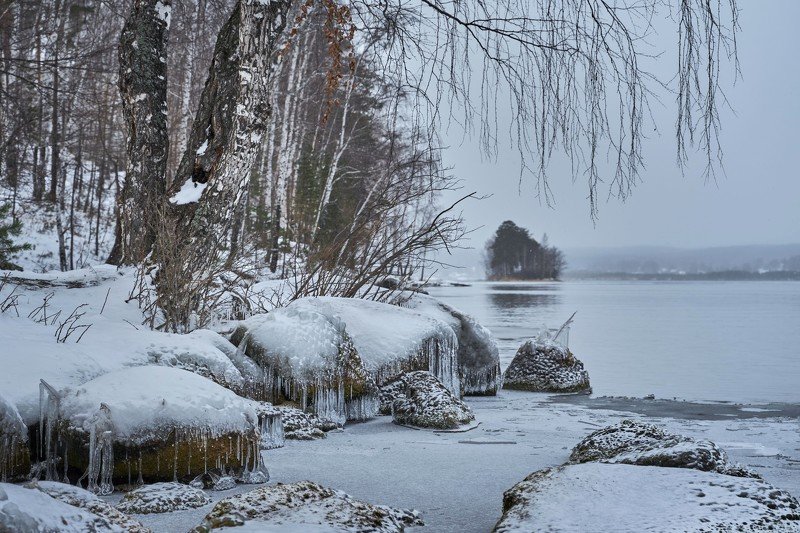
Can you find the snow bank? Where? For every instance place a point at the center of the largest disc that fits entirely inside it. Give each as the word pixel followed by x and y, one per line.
pixel 23 509
pixel 599 497
pixel 114 340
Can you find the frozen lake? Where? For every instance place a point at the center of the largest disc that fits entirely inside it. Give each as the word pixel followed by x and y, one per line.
pixel 703 341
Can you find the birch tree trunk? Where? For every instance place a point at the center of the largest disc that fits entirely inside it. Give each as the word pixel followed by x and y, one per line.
pixel 143 86
pixel 226 137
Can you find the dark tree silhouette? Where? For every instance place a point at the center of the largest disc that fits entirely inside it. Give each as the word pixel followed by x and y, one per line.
pixel 513 254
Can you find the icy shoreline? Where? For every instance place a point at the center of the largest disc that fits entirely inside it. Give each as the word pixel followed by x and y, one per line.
pixel 457 480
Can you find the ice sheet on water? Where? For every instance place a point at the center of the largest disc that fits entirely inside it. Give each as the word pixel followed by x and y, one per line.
pixel 25 509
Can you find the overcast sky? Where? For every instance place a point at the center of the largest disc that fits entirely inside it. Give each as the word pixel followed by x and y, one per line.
pixel 756 202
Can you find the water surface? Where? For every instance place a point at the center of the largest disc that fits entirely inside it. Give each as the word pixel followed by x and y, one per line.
pixel 702 341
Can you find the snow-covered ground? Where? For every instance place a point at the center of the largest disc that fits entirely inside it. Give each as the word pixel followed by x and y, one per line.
pixel 457 480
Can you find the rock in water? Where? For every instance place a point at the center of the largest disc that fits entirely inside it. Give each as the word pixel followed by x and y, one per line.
pixel 546 366
pixel 25 509
pixel 627 498
pixel 419 399
pixel 637 443
pixel 305 506
pixel 84 499
pixel 163 498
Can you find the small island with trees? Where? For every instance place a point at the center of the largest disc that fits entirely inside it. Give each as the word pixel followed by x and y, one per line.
pixel 512 254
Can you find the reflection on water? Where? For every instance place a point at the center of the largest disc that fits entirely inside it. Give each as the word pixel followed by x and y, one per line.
pixel 725 341
pixel 510 300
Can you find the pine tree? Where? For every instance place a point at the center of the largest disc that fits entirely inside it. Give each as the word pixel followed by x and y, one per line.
pixel 7 233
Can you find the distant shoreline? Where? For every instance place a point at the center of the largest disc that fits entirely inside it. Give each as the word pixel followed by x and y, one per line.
pixel 729 275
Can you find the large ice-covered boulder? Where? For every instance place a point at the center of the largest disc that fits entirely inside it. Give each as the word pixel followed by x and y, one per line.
pixel 478 355
pixel 304 506
pixel 78 497
pixel 638 443
pixel 419 399
pixel 148 423
pixel 14 454
pixel 27 509
pixel 543 365
pixel 627 498
pixel 330 354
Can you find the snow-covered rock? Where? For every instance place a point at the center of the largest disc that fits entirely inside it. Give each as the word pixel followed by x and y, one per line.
pixel 304 506
pixel 84 499
pixel 419 399
pixel 329 353
pixel 298 425
pixel 308 358
pixel 14 454
pixel 627 498
pixel 638 443
pixel 545 366
pixel 148 423
pixel 478 355
pixel 163 498
pixel 28 510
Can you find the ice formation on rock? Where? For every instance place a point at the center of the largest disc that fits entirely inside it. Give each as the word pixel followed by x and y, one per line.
pixel 84 499
pixel 627 498
pixel 419 399
pixel 304 506
pixel 637 443
pixel 14 454
pixel 478 355
pixel 147 424
pixel 26 509
pixel 163 498
pixel 543 365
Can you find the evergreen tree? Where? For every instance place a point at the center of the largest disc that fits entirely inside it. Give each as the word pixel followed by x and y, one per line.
pixel 7 233
pixel 513 254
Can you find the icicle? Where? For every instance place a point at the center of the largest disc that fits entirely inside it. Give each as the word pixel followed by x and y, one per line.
pixel 272 435
pixel 49 412
pixel 101 452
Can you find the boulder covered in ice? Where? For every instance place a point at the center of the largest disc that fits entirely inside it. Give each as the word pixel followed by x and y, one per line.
pixel 307 358
pixel 304 506
pixel 627 498
pixel 78 497
pixel 419 399
pixel 638 443
pixel 163 498
pixel 14 453
pixel 478 355
pixel 27 509
pixel 543 365
pixel 330 353
pixel 150 423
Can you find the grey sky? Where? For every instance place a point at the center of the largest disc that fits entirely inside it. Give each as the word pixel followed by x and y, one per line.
pixel 757 201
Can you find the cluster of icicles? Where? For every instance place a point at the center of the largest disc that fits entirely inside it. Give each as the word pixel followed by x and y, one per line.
pixel 327 397
pixel 53 443
pixel 479 381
